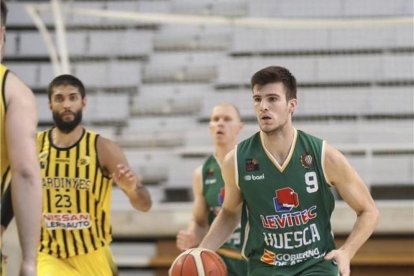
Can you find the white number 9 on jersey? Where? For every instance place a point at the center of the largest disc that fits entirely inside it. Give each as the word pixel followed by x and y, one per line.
pixel 312 181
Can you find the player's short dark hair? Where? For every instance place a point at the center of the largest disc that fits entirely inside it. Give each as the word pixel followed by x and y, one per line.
pixel 4 11
pixel 66 79
pixel 274 74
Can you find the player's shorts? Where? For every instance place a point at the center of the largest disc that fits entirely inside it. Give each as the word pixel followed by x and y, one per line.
pixel 96 263
pixel 236 265
pixel 321 268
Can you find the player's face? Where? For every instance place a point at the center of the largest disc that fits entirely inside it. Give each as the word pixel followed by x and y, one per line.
pixel 273 111
pixel 66 104
pixel 224 124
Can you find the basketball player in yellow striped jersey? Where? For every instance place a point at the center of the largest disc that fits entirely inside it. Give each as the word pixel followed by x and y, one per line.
pixel 18 160
pixel 78 167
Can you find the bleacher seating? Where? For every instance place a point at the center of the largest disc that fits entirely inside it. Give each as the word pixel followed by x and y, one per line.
pixel 168 40
pixel 207 7
pixel 242 98
pixel 329 8
pixel 26 48
pixel 151 87
pixel 152 165
pixel 108 73
pixel 181 67
pixel 105 108
pixel 321 39
pixel 30 73
pixel 155 132
pixel 365 102
pixel 335 69
pixel 165 100
pixel 77 18
pixel 119 43
pixel 172 106
pixel 18 17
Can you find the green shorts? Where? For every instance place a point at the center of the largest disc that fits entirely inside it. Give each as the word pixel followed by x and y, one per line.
pixel 235 267
pixel 310 268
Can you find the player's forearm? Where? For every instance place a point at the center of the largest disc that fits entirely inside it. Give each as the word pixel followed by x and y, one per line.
pixel 27 205
pixel 199 231
pixel 221 229
pixel 362 230
pixel 140 198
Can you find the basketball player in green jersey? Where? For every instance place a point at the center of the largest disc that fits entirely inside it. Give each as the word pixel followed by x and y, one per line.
pixel 279 179
pixel 78 167
pixel 208 188
pixel 18 159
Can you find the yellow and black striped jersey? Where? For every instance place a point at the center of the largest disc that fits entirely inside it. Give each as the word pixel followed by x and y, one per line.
pixel 76 197
pixel 4 160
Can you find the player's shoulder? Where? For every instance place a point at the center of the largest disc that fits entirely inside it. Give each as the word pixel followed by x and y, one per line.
pixel 96 135
pixel 14 84
pixel 249 142
pixel 308 136
pixel 198 171
pixel 210 159
pixel 42 134
pixel 230 156
pixel 105 145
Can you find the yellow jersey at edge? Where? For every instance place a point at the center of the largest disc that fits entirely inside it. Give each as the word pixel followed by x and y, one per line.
pixel 4 160
pixel 76 197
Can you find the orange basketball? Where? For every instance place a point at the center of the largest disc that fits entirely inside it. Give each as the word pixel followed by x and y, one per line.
pixel 198 262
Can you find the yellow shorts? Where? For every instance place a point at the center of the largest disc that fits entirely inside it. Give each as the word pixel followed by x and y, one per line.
pixel 97 263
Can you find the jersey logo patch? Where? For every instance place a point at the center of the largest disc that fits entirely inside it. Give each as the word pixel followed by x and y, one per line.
pixel 252 165
pixel 268 257
pixel 306 159
pixel 43 155
pixel 286 199
pixel 210 172
pixel 83 161
pixel 42 159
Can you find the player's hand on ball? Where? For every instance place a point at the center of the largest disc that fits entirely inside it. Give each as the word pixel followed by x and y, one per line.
pixel 185 240
pixel 198 262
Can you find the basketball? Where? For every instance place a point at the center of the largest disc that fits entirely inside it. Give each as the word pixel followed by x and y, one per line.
pixel 198 262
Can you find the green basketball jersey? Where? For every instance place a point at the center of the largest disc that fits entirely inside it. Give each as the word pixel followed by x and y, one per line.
pixel 287 208
pixel 213 192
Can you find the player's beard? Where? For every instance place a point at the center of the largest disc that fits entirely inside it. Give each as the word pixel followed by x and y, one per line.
pixel 67 126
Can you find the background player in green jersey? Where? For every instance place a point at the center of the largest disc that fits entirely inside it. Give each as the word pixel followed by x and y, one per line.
pixel 208 188
pixel 18 159
pixel 279 179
